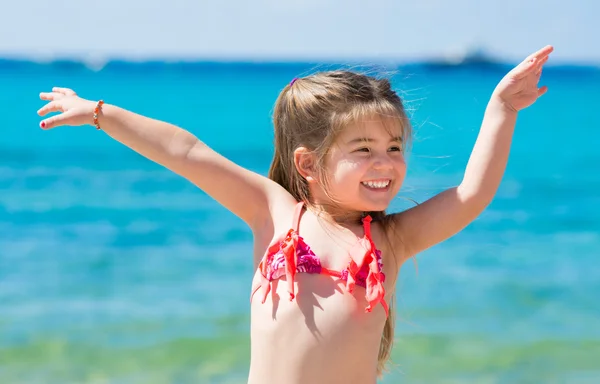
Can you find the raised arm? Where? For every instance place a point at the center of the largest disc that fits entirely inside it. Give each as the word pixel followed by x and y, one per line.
pixel 449 212
pixel 248 195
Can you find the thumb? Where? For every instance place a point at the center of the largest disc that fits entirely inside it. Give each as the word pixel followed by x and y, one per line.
pixel 55 121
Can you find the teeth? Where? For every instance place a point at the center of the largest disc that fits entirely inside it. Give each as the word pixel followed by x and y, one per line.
pixel 376 184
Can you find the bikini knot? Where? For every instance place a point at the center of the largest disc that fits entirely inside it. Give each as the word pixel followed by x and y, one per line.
pixel 288 247
pixel 366 254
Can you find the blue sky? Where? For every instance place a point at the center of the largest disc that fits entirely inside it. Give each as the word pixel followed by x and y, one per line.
pixel 298 30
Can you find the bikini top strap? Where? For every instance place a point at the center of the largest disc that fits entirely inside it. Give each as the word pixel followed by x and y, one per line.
pixel 297 213
pixel 367 226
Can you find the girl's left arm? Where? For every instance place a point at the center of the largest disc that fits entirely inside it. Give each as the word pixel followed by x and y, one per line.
pixel 447 213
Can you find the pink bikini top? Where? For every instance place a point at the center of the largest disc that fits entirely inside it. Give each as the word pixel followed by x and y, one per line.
pixel 289 255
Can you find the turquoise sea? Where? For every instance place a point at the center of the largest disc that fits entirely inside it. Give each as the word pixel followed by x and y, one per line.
pixel 109 263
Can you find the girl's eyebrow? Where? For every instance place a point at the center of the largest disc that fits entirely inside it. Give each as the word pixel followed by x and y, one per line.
pixel 370 140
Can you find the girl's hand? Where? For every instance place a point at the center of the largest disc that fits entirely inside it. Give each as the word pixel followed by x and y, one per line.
pixel 519 88
pixel 75 110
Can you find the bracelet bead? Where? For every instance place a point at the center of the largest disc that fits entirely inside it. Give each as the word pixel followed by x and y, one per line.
pixel 97 111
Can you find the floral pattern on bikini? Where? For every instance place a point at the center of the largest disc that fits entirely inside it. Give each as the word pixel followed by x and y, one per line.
pixel 291 255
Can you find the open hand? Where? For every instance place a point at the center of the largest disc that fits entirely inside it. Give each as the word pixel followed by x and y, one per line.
pixel 75 110
pixel 519 88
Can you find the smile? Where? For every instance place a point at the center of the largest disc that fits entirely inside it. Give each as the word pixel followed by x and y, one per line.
pixel 377 184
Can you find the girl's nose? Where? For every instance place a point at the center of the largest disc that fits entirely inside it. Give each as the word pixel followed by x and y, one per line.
pixel 382 163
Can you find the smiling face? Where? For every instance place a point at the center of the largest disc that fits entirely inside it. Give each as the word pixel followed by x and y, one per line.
pixel 364 168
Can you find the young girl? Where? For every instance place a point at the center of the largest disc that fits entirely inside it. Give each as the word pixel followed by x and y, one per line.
pixel 327 254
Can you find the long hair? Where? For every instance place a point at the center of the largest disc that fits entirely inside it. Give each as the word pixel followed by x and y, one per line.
pixel 310 112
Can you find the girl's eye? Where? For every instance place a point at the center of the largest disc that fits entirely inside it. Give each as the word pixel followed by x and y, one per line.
pixel 366 150
pixel 395 149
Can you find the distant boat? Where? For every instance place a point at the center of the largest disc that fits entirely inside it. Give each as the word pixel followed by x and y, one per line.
pixel 477 57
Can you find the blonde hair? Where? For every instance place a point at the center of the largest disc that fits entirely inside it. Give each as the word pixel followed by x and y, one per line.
pixel 310 112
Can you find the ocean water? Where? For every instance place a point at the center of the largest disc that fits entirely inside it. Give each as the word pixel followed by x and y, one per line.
pixel 114 270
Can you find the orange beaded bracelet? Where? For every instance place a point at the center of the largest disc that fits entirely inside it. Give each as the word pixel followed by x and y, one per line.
pixel 97 112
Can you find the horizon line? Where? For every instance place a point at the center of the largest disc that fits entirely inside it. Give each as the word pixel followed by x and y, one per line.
pixel 98 62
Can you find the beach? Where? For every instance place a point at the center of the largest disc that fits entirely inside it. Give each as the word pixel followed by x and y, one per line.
pixel 114 270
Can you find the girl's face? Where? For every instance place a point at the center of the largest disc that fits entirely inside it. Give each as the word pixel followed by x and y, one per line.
pixel 365 166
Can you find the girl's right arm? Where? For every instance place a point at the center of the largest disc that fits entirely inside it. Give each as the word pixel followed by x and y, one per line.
pixel 252 197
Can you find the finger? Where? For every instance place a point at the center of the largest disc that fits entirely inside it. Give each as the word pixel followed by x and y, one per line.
pixel 64 91
pixel 524 69
pixel 540 67
pixel 50 96
pixel 55 121
pixel 538 75
pixel 533 62
pixel 538 71
pixel 542 90
pixel 53 106
pixel 541 53
pixel 541 63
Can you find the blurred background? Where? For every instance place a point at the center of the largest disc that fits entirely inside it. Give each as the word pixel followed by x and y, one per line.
pixel 108 262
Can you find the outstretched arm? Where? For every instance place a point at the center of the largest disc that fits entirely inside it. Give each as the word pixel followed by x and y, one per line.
pixel 449 212
pixel 248 195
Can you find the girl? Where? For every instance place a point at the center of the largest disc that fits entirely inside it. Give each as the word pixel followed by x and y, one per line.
pixel 327 254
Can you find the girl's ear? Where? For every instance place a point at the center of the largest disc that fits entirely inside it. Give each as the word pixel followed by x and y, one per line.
pixel 305 162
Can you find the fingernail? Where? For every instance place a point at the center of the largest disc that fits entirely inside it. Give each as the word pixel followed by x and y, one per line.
pixel 43 124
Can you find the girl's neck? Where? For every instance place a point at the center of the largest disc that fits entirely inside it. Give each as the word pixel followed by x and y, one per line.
pixel 336 214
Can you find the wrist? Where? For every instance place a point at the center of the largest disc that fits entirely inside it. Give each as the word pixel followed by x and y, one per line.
pixel 97 113
pixel 497 104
